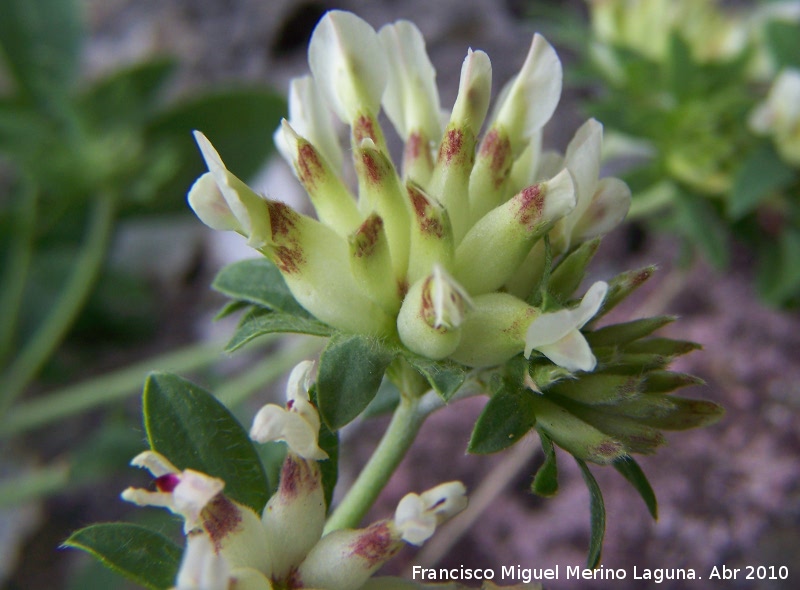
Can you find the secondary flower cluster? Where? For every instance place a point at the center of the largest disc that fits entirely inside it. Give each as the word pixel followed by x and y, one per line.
pixel 228 545
pixel 444 256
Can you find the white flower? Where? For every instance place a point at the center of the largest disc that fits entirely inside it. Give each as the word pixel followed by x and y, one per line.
pixel 417 516
pixel 298 424
pixel 186 493
pixel 348 64
pixel 557 334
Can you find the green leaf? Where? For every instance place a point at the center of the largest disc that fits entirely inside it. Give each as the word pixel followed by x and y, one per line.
pixel 259 321
pixel 761 173
pixel 598 516
pixel 446 377
pixel 141 555
pixel 192 429
pixel 567 276
pixel 701 224
pixel 783 39
pixel 128 95
pixel 506 418
pixel 545 483
pixel 351 369
pixel 239 122
pixel 631 471
pixel 619 334
pixel 41 43
pixel 259 282
pixel 662 346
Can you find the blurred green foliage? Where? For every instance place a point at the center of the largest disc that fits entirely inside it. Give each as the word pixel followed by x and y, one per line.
pixel 78 157
pixel 677 85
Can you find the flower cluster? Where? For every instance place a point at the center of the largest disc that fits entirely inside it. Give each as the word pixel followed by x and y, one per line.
pixel 230 546
pixel 444 256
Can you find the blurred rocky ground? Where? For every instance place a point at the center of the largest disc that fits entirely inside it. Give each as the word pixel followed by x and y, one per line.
pixel 729 494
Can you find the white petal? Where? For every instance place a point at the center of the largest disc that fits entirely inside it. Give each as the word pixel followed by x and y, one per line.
pixel 155 463
pixel 210 206
pixel 450 300
pixel 417 516
pixel 201 567
pixel 194 491
pixel 311 118
pixel 547 329
pixel 571 352
pixel 474 91
pixel 247 207
pixel 534 95
pixel 142 497
pixel 446 500
pixel 411 98
pixel 590 304
pixel 300 380
pixel 559 198
pixel 415 523
pixel 348 64
pixel 273 423
pixel 583 161
pixel 608 209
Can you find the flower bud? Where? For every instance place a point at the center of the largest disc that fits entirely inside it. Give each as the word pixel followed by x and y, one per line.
pixel 334 204
pixel 431 315
pixel 246 207
pixel 487 182
pixel 346 558
pixel 380 189
pixel 371 264
pixel 494 330
pixel 348 64
pixel 431 234
pixel 497 244
pixel 314 261
pixel 417 516
pixel 450 180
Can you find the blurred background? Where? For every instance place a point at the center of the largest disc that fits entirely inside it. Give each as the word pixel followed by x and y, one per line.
pixel 106 273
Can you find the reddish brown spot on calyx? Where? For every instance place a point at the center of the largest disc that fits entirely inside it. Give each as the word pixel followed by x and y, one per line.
pixel 413 147
pixel 289 260
pixel 309 165
pixel 364 128
pixel 642 276
pixel 497 148
pixel 167 483
pixel 367 237
pixel 297 475
pixel 370 167
pixel 375 544
pixel 221 517
pixel 429 222
pixel 530 204
pixel 452 145
pixel 282 218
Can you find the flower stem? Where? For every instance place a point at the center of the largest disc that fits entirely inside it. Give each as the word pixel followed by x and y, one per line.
pixel 397 439
pixel 71 300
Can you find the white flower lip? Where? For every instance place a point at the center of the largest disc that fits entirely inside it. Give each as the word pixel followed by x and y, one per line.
pixel 202 568
pixel 557 334
pixel 298 425
pixel 417 516
pixel 186 493
pixel 450 300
